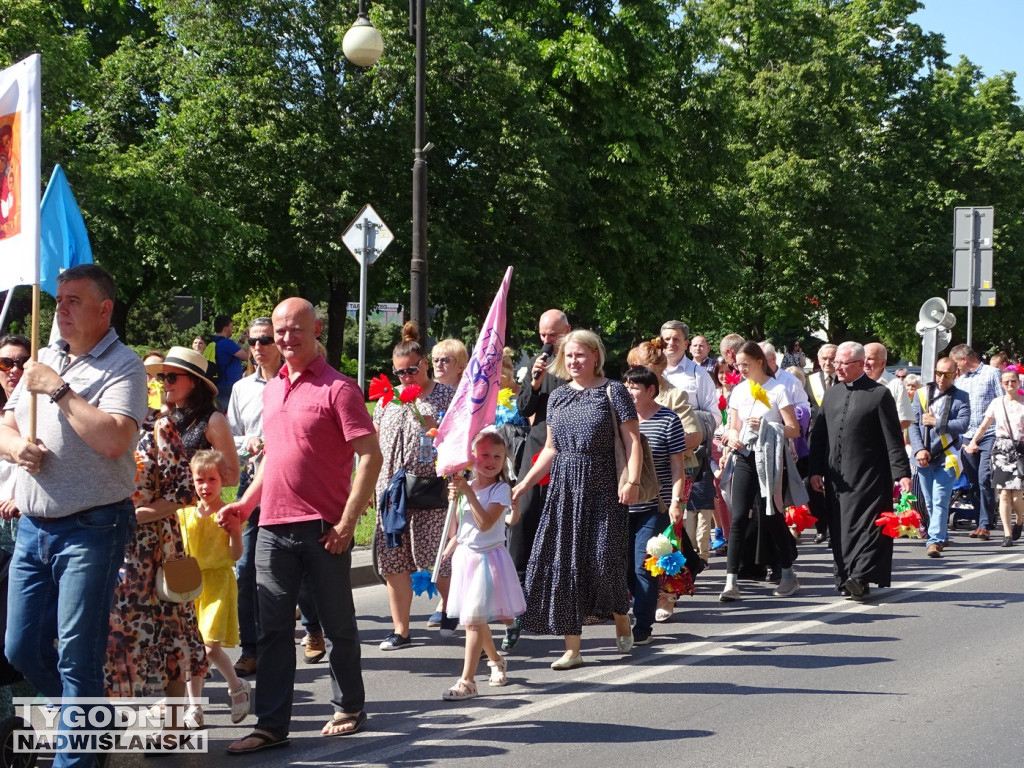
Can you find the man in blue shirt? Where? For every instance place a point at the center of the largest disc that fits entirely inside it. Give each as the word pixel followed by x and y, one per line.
pixel 229 357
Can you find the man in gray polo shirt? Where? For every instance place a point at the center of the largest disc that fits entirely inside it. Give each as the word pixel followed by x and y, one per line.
pixel 73 489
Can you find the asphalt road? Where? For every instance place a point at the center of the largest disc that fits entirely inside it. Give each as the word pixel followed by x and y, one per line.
pixel 926 674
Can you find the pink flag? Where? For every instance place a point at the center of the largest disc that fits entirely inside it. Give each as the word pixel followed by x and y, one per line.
pixel 476 398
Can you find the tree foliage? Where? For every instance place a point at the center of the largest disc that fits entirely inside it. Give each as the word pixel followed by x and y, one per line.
pixel 771 167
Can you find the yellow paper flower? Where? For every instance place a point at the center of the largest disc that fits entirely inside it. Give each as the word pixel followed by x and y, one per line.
pixel 759 394
pixel 651 564
pixel 505 397
pixel 659 546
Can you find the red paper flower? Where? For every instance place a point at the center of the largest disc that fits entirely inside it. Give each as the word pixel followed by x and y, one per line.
pixel 722 403
pixel 381 389
pixel 800 517
pixel 732 378
pixel 896 525
pixel 409 393
pixel 547 478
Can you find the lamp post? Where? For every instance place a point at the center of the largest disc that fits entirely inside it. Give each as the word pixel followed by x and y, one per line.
pixel 363 46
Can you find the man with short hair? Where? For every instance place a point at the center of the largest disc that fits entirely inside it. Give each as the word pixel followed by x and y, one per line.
pixel 942 415
pixel 818 383
pixel 874 368
pixel 684 373
pixel 700 350
pixel 981 383
pixel 229 357
pixel 532 403
pixel 856 454
pixel 314 423
pixel 729 347
pixel 74 492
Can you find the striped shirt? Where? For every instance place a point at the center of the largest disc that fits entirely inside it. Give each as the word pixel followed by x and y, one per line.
pixel 982 387
pixel 665 434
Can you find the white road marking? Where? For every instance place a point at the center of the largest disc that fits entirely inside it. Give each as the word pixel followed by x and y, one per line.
pixel 695 652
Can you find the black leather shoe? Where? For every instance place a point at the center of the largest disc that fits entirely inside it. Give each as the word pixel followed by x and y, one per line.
pixel 858 589
pixel 820 538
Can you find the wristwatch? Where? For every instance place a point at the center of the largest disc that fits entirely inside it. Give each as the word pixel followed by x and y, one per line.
pixel 677 499
pixel 60 391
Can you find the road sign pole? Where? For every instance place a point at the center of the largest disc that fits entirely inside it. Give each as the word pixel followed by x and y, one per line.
pixel 363 270
pixel 368 251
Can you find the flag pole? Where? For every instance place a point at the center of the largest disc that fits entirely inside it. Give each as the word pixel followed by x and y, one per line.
pixel 453 506
pixel 35 357
pixel 7 306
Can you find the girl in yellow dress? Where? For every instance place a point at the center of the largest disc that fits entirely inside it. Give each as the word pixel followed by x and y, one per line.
pixel 216 549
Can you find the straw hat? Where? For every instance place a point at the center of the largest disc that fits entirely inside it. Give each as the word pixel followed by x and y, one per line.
pixel 183 359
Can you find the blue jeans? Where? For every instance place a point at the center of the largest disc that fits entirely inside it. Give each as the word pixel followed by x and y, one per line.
pixel 978 468
pixel 284 555
pixel 61 586
pixel 937 487
pixel 643 586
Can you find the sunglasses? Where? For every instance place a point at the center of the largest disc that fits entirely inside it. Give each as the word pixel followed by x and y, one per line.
pixel 412 370
pixel 945 375
pixel 266 341
pixel 442 360
pixel 170 378
pixel 8 363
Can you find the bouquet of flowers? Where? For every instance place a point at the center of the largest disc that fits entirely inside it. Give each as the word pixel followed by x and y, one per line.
pixel 381 389
pixel 666 561
pixel 800 518
pixel 903 520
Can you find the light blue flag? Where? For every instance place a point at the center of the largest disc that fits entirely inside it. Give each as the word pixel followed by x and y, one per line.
pixel 64 243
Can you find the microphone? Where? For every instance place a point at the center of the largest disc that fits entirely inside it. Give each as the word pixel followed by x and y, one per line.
pixel 545 352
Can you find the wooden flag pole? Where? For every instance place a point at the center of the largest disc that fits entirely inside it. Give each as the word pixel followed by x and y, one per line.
pixel 35 358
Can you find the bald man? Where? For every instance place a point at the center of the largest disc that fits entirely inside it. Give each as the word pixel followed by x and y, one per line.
pixel 314 424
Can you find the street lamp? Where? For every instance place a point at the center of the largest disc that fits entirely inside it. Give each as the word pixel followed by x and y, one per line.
pixel 362 45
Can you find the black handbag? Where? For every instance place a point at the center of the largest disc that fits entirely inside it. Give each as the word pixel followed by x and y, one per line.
pixel 1018 445
pixel 425 492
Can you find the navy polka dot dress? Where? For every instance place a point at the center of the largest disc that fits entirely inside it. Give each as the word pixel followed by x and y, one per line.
pixel 578 564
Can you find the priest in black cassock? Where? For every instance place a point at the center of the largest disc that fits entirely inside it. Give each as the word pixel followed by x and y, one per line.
pixel 857 454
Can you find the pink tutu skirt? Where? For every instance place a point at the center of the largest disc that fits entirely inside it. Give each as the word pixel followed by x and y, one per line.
pixel 484 587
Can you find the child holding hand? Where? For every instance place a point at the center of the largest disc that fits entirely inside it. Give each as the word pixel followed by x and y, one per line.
pixel 216 549
pixel 484 586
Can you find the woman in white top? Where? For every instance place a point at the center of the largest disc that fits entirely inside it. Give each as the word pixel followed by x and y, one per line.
pixel 747 408
pixel 1008 414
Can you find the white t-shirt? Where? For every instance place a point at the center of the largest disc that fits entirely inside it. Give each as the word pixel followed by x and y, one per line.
pixel 794 389
pixel 1015 429
pixel 746 406
pixel 471 536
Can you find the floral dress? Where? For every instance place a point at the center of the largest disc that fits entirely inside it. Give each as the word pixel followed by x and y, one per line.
pixel 153 642
pixel 399 432
pixel 1004 454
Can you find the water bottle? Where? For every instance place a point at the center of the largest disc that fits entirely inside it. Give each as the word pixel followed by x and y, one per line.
pixel 427 452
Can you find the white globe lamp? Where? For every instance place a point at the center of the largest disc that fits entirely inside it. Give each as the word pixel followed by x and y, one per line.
pixel 362 44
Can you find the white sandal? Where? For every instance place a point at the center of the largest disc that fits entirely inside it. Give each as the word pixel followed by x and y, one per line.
pixel 462 690
pixel 498 669
pixel 240 709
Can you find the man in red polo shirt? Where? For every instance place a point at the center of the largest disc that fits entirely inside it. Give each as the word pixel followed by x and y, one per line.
pixel 314 423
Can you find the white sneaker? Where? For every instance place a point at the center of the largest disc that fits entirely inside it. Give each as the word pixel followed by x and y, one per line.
pixel 729 595
pixel 787 586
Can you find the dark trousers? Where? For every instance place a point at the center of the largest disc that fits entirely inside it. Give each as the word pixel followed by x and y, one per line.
pixel 772 534
pixel 284 555
pixel 978 468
